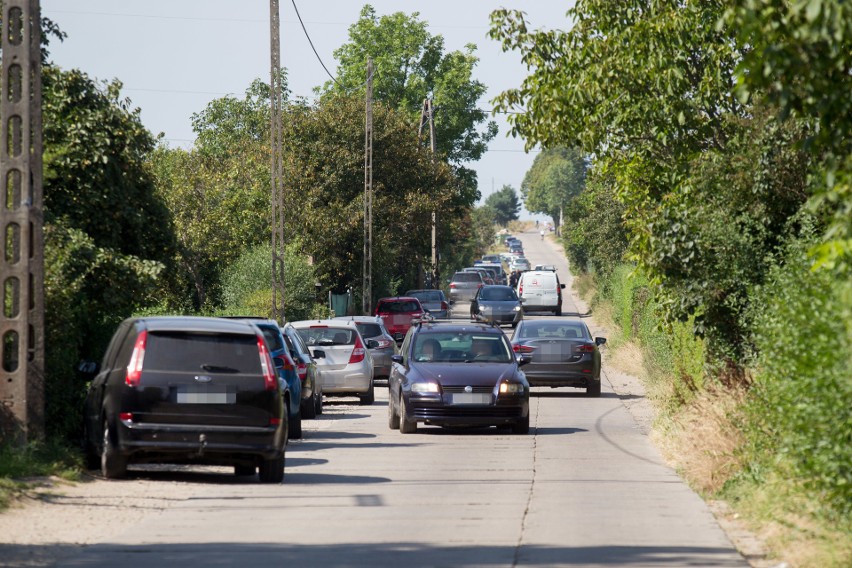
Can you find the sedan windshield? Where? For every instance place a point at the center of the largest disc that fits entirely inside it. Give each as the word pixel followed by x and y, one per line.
pixel 461 347
pixel 498 294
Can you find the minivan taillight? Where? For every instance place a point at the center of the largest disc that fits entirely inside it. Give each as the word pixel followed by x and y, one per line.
pixel 358 353
pixel 270 382
pixel 520 287
pixel 445 306
pixel 134 368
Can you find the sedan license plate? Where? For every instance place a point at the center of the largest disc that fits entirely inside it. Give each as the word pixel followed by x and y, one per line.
pixel 206 395
pixel 470 398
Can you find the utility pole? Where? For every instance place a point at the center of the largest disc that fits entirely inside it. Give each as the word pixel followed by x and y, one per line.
pixel 22 217
pixel 427 116
pixel 277 165
pixel 367 286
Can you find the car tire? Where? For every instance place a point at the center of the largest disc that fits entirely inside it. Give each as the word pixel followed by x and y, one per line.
pixel 244 470
pixel 309 408
pixel 369 397
pixel 594 389
pixel 295 426
pixel 113 464
pixel 522 426
pixel 406 426
pixel 272 470
pixel 318 403
pixel 393 415
pixel 558 311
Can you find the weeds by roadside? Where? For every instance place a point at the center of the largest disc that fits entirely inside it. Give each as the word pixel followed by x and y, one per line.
pixel 38 459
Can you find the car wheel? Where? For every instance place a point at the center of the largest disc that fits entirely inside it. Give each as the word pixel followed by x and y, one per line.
pixel 369 397
pixel 558 311
pixel 522 426
pixel 406 426
pixel 243 470
pixel 272 470
pixel 393 415
pixel 295 429
pixel 594 389
pixel 309 408
pixel 318 403
pixel 113 464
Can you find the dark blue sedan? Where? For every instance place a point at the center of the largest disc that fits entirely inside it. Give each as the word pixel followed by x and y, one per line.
pixel 457 374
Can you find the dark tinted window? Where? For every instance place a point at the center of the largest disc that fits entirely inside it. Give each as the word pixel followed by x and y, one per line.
pixel 273 338
pixel 327 336
pixel 369 329
pixel 404 306
pixel 190 352
pixel 498 294
pixel 460 346
pixel 467 277
pixel 427 295
pixel 553 330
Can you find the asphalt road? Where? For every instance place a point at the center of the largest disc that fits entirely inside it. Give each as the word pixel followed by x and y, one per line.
pixel 584 488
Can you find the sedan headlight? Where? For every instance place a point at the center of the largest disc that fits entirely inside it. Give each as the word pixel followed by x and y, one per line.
pixel 511 388
pixel 517 308
pixel 425 387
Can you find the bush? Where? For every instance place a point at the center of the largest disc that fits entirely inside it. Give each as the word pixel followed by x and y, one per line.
pixel 800 417
pixel 247 284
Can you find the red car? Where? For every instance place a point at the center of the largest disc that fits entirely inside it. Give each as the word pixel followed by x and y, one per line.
pixel 397 314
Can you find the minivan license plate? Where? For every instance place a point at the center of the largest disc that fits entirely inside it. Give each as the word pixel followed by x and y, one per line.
pixel 205 395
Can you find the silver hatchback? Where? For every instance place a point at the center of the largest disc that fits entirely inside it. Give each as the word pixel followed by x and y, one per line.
pixel 343 357
pixel 373 328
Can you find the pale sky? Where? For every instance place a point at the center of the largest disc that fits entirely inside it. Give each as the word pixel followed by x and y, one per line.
pixel 174 56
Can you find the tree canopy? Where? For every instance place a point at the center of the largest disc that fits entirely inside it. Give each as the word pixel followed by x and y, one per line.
pixel 505 204
pixel 411 65
pixel 556 176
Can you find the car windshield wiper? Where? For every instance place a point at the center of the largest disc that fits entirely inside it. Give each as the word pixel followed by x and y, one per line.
pixel 219 369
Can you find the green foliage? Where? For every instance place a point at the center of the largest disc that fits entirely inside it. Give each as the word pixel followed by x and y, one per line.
pixel 801 411
pixel 247 288
pixel 325 157
pixel 594 235
pixel 505 205
pixel 410 66
pixel 88 291
pixel 800 60
pixel 36 459
pixel 556 177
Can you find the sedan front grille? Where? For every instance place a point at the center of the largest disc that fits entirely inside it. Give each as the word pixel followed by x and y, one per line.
pixel 460 389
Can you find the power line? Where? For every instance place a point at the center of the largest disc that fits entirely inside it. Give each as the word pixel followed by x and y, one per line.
pixel 307 35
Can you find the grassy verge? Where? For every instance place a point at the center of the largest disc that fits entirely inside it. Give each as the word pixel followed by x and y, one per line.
pixel 702 427
pixel 41 459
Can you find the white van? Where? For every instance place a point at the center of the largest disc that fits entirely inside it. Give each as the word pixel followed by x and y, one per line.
pixel 540 290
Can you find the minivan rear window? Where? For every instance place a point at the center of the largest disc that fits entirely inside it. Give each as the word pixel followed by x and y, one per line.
pixel 428 296
pixel 195 352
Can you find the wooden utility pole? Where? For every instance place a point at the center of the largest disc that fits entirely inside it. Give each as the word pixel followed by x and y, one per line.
pixel 277 165
pixel 367 286
pixel 22 218
pixel 427 116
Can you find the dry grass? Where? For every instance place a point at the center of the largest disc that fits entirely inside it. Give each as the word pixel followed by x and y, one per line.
pixel 701 439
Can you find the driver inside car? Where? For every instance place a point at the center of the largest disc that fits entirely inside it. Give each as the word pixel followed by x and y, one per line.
pixel 430 350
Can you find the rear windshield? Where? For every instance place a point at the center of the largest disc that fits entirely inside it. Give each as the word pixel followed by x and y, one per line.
pixel 369 329
pixel 398 307
pixel 194 352
pixel 467 277
pixel 553 330
pixel 498 294
pixel 328 336
pixel 273 338
pixel 427 296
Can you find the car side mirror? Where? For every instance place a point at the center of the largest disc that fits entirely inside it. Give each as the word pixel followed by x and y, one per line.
pixel 86 370
pixel 398 337
pixel 396 358
pixel 562 286
pixel 372 344
pixel 318 354
pixel 523 360
pixel 600 341
pixel 452 302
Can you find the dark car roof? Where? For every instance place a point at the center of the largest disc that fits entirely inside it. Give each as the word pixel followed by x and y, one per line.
pixel 197 323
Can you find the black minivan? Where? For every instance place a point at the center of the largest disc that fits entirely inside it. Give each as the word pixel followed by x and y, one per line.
pixel 187 390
